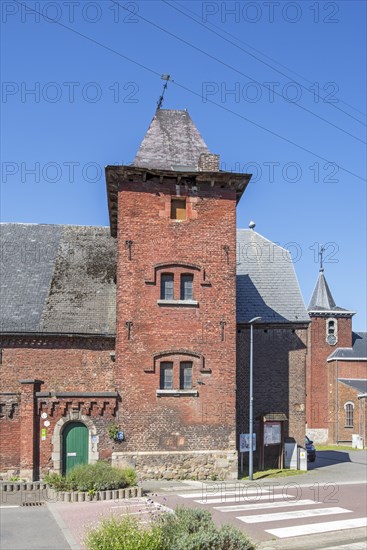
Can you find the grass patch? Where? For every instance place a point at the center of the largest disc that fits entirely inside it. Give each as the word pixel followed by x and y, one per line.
pixel 275 472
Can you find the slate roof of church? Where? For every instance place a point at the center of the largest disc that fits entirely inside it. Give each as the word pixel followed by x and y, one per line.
pixel 60 279
pixel 357 351
pixel 172 142
pixel 57 279
pixel 267 284
pixel 360 385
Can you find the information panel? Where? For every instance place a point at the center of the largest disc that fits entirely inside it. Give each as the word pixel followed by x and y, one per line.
pixel 272 433
pixel 245 443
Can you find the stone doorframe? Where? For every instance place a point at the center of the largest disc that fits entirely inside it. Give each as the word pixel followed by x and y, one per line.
pixel 74 416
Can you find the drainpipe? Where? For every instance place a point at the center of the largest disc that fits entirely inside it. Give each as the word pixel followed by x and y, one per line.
pixel 337 403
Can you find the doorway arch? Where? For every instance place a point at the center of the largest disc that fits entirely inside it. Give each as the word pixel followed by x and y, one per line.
pixel 74 446
pixel 57 439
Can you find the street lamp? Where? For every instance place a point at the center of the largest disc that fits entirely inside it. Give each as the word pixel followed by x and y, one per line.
pixel 251 415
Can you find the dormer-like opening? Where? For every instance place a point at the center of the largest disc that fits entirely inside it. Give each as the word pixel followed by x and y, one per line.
pixel 331 331
pixel 178 209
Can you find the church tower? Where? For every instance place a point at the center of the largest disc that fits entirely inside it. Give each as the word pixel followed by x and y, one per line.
pixel 173 213
pixel 331 328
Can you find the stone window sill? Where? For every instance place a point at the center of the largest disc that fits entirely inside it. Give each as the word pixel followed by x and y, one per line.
pixel 179 303
pixel 177 393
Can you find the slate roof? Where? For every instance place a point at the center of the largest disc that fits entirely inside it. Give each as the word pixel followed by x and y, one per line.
pixel 357 351
pixel 57 279
pixel 322 299
pixel 172 141
pixel 267 284
pixel 360 385
pixel 61 279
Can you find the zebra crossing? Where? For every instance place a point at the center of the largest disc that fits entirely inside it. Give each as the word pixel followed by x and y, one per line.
pixel 272 507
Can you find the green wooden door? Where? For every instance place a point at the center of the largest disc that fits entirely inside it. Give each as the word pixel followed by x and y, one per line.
pixel 75 446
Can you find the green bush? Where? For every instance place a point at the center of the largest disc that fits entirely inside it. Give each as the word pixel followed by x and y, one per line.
pixel 130 476
pixel 100 476
pixel 227 537
pixel 184 522
pixel 187 529
pixel 57 482
pixel 124 533
pixel 194 529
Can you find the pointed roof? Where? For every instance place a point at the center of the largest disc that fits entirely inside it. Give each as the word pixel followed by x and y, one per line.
pixel 171 142
pixel 322 299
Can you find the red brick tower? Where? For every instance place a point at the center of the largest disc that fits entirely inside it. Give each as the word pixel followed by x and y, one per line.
pixel 331 327
pixel 174 215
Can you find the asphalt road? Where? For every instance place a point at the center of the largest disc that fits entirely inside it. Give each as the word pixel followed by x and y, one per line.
pixel 34 528
pixel 323 509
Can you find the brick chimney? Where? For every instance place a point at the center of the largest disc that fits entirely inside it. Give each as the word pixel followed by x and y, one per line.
pixel 208 162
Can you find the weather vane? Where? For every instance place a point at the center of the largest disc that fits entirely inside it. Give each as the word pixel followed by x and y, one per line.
pixel 165 77
pixel 321 252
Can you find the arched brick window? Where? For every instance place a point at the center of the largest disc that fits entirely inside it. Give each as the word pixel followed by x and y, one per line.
pixel 349 413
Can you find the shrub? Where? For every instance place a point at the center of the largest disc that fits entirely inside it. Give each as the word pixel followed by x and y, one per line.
pixel 124 533
pixel 227 537
pixel 184 521
pixel 194 529
pixel 130 476
pixel 100 476
pixel 187 529
pixel 56 481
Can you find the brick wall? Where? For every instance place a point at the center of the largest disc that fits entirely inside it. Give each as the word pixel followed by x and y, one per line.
pixel 206 240
pixel 9 433
pixel 339 394
pixel 63 365
pixel 318 375
pixel 279 383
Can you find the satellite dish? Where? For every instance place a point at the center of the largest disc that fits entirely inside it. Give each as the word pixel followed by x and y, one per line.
pixel 252 225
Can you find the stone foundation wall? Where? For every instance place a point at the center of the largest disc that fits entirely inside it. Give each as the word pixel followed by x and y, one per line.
pixel 200 465
pixel 318 435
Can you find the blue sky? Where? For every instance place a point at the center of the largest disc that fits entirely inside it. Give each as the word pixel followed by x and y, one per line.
pixel 276 88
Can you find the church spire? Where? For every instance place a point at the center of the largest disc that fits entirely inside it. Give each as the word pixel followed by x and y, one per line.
pixel 322 298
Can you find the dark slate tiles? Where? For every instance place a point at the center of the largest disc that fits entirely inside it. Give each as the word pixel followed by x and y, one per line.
pixel 172 140
pixel 267 284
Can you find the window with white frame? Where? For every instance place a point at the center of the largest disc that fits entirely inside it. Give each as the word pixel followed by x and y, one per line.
pixel 187 283
pixel 166 375
pixel 349 413
pixel 167 282
pixel 185 375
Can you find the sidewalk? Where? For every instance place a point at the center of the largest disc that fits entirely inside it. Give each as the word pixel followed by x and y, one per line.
pixel 333 473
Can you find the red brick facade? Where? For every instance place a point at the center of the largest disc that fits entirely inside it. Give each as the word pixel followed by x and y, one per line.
pixel 318 371
pixel 59 377
pixel 203 333
pixel 327 395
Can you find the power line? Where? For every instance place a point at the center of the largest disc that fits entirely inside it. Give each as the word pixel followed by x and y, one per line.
pixel 236 70
pixel 268 57
pixel 156 73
